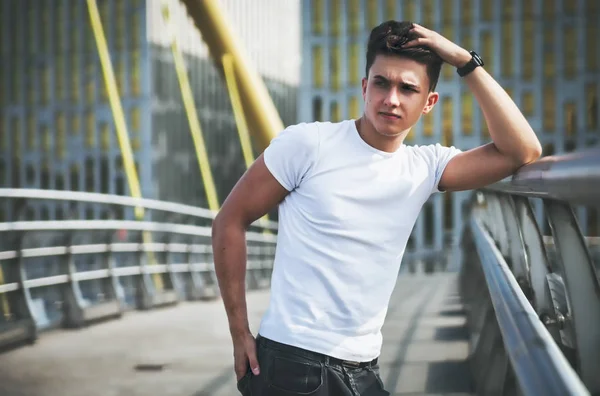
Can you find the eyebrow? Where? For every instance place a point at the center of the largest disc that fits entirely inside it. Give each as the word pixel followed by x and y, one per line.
pixel 380 77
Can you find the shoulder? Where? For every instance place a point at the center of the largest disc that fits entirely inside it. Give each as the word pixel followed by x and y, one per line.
pixel 432 152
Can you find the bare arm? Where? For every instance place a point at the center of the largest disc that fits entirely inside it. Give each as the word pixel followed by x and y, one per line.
pixel 514 142
pixel 254 195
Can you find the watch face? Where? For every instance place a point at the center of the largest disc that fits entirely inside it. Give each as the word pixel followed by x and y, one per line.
pixel 477 59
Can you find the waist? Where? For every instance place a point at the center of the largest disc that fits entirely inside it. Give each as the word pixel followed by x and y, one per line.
pixel 320 357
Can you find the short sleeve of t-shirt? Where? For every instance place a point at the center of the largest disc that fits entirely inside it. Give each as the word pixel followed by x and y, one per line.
pixel 443 155
pixel 292 154
pixel 437 158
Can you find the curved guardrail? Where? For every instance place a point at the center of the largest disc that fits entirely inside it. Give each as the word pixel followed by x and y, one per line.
pixel 533 300
pixel 75 272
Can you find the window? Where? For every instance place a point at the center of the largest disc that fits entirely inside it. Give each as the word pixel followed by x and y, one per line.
pixel 317 109
pixel 549 108
pixel 390 10
pixel 447 121
pixel 409 10
pixel 31 132
pixel 354 17
pixel 487 10
pixel 353 107
pixel 487 49
pixel 335 58
pixel 528 103
pixel 74 177
pixel 570 117
pixel 467 113
pixel 372 18
pixel 90 129
pixel 61 136
pixel 317 16
pixel 353 64
pixel 549 50
pixel 570 51
pixel 466 10
pixel 592 106
pixel 335 115
pixel 335 13
pixel 317 56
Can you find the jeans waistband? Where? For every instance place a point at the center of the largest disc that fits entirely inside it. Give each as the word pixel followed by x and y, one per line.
pixel 313 355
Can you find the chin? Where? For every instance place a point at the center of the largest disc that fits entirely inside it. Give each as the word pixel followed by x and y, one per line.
pixel 389 130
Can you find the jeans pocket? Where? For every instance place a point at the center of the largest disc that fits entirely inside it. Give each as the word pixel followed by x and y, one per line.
pixel 291 375
pixel 243 384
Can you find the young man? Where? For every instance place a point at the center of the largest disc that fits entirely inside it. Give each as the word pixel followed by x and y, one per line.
pixel 349 194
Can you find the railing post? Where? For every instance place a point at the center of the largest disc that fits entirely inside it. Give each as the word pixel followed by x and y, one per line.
pixel 194 286
pixel 144 284
pixel 73 301
pixel 23 308
pixel 516 249
pixel 539 269
pixel 583 289
pixel 114 285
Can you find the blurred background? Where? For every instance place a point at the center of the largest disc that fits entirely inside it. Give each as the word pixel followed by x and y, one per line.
pixel 57 130
pixel 172 100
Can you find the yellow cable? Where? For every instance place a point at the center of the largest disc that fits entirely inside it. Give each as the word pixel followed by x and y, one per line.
pixel 120 124
pixel 192 116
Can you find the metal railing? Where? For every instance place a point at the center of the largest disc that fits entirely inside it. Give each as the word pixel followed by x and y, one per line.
pixel 74 272
pixel 533 301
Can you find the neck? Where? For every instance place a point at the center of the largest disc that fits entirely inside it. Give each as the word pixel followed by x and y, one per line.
pixel 381 142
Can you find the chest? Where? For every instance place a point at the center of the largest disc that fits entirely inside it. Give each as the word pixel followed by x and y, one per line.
pixel 368 193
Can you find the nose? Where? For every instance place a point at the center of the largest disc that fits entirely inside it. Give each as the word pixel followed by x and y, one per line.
pixel 392 99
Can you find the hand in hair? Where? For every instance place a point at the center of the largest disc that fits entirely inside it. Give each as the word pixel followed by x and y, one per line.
pixel 450 52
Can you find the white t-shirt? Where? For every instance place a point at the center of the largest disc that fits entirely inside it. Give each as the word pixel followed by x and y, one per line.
pixel 342 232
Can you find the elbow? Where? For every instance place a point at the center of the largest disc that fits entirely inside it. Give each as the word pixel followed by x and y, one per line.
pixel 534 153
pixel 223 224
pixel 531 153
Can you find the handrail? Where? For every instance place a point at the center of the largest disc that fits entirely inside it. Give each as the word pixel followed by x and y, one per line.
pixel 539 366
pixel 573 177
pixel 146 203
pixel 130 225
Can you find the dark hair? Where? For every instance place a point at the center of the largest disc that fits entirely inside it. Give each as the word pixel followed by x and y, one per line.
pixel 388 38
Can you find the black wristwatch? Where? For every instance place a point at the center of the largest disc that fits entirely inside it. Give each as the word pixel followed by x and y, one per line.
pixel 471 65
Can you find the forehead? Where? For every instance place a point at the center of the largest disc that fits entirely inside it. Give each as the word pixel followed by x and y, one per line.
pixel 397 68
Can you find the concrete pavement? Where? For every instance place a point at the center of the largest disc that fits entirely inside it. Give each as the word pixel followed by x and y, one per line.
pixel 186 350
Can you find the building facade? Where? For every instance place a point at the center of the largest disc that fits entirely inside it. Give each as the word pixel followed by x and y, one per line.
pixel 545 53
pixel 57 129
pixel 56 125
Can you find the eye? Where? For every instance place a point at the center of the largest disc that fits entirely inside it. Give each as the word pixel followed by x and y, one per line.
pixel 380 83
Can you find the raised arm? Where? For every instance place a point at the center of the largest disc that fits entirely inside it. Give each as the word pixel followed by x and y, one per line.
pixel 514 141
pixel 255 194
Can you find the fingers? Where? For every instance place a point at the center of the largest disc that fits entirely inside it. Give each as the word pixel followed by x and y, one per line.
pixel 415 43
pixel 240 370
pixel 251 350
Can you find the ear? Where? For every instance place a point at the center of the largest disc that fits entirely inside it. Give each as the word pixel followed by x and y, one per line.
pixel 432 99
pixel 364 88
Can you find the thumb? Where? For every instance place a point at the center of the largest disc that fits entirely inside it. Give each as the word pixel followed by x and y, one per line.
pixel 251 351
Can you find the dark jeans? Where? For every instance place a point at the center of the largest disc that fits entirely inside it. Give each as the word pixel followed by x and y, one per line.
pixel 289 371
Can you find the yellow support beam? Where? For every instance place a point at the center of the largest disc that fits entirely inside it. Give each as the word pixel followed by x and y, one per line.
pixel 192 116
pixel 120 124
pixel 263 119
pixel 238 112
pixel 115 103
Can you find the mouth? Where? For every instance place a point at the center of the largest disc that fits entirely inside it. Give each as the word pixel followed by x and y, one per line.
pixel 390 116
